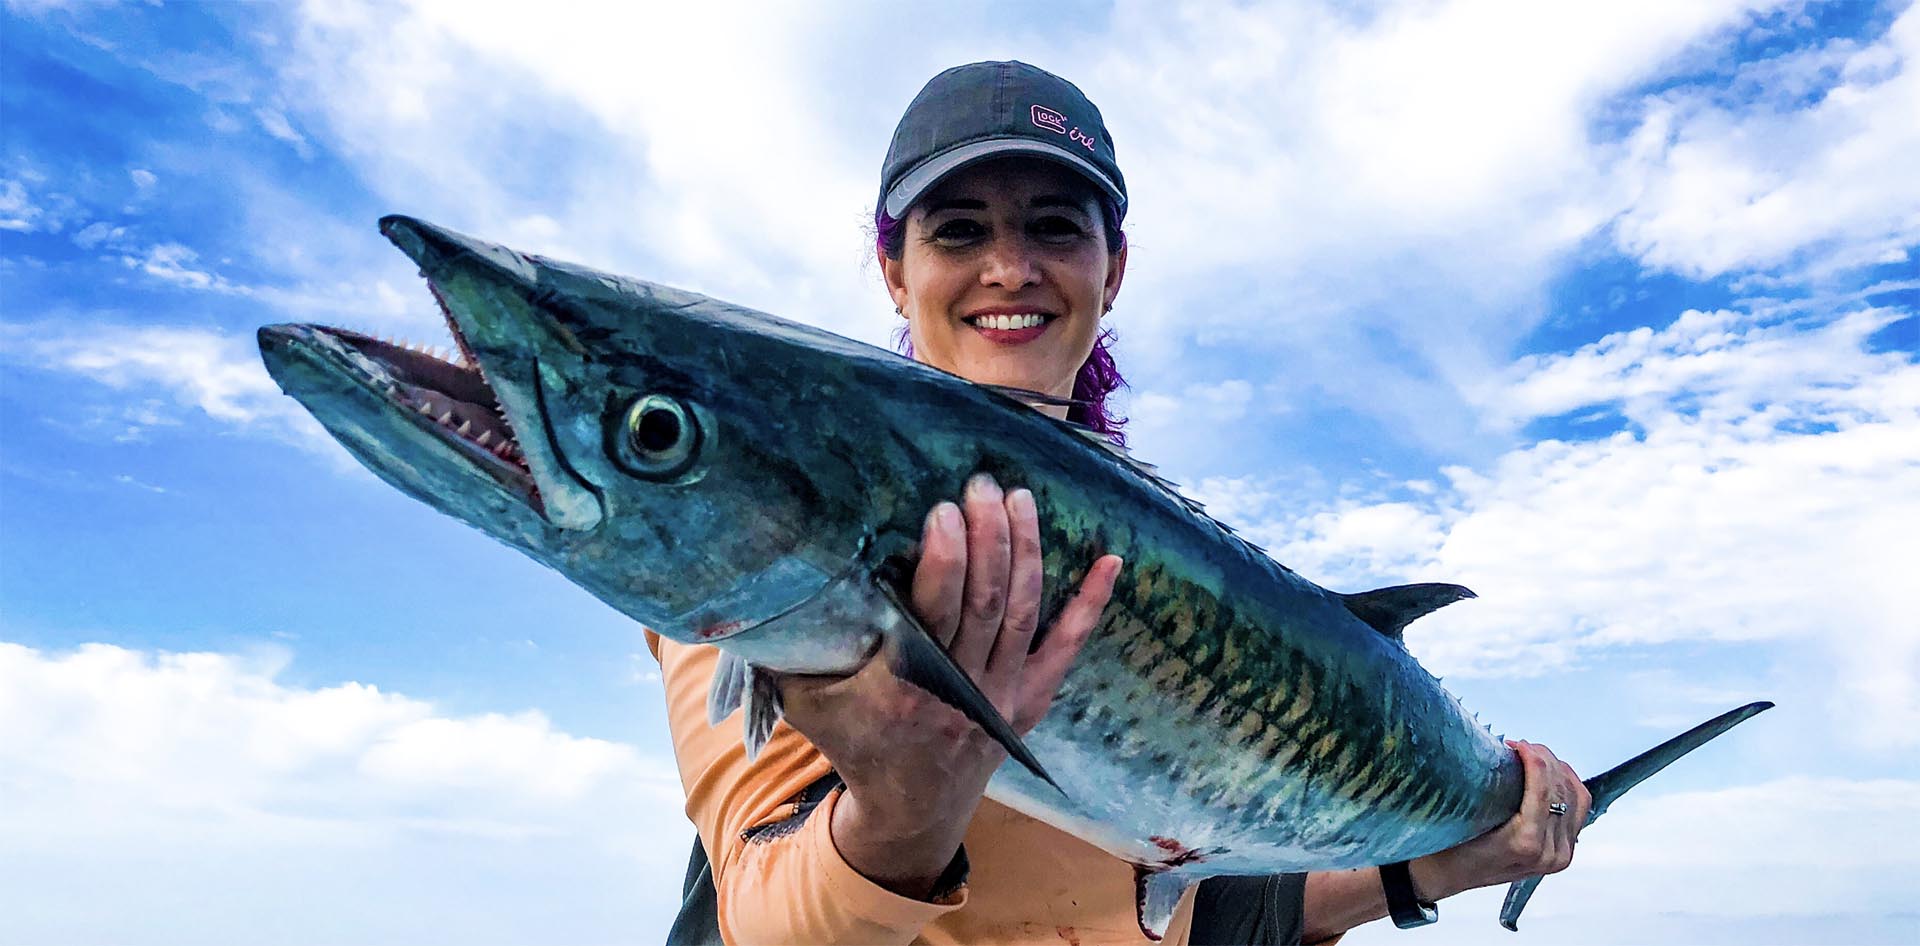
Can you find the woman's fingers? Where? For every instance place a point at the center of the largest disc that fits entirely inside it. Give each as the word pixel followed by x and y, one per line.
pixel 1534 840
pixel 1048 665
pixel 1025 582
pixel 940 578
pixel 989 555
pixel 1545 843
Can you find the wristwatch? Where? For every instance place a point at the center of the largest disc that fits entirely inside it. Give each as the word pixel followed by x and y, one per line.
pixel 1405 906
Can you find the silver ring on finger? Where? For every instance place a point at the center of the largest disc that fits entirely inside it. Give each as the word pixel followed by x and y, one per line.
pixel 1557 808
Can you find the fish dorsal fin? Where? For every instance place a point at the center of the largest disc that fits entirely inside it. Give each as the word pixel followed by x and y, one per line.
pixel 1390 610
pixel 1156 894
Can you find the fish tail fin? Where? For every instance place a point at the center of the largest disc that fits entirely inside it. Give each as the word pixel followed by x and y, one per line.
pixel 1613 783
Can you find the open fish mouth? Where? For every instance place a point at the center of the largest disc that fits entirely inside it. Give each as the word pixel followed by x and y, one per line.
pixel 447 394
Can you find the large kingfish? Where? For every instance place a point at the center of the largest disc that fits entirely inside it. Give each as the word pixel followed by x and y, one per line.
pixel 730 478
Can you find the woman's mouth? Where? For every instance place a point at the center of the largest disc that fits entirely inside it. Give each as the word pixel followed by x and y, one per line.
pixel 1015 328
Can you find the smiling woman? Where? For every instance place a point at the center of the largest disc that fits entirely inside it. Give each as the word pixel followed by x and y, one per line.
pixel 1003 272
pixel 999 239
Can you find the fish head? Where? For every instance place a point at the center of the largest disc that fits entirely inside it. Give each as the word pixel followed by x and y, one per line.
pixel 656 453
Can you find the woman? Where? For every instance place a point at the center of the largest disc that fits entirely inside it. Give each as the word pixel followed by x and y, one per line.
pixel 999 239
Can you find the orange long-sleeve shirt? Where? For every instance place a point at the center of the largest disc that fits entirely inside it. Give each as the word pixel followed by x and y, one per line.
pixel 1028 883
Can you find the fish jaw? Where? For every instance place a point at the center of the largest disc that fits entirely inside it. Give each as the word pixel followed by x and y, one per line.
pixel 745 532
pixel 487 293
pixel 370 396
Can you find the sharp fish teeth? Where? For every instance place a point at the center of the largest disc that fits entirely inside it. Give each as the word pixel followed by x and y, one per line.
pixel 447 418
pixel 485 436
pixel 465 425
pixel 426 407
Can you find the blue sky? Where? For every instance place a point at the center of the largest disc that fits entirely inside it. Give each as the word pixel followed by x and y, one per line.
pixel 1609 311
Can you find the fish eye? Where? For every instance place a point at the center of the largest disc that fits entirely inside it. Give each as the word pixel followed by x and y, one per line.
pixel 660 437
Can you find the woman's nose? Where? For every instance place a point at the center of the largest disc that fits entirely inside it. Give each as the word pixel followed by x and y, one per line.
pixel 1010 264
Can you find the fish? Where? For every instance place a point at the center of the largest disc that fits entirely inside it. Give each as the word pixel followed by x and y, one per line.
pixel 727 477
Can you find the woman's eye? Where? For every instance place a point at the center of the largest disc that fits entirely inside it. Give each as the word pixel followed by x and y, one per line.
pixel 1057 229
pixel 959 231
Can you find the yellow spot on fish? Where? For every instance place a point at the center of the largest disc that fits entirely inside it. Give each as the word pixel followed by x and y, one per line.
pixel 1167 672
pixel 1302 701
pixel 1324 746
pixel 1268 739
pixel 1243 733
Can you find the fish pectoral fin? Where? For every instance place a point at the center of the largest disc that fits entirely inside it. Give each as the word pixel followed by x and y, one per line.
pixel 1156 893
pixel 1608 786
pixel 729 687
pixel 1390 610
pixel 916 657
pixel 763 709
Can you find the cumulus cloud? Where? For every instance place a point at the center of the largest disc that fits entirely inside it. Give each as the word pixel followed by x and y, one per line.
pixel 177 265
pixel 1761 181
pixel 501 123
pixel 1763 483
pixel 215 374
pixel 274 122
pixel 146 768
pixel 1800 859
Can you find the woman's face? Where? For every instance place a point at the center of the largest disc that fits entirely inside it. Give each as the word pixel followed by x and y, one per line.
pixel 1005 274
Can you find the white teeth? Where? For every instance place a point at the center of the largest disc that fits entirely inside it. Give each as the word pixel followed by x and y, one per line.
pixel 485 436
pixel 447 418
pixel 465 425
pixel 1007 323
pixel 426 407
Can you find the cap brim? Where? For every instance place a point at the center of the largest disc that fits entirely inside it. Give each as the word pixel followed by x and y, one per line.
pixel 915 183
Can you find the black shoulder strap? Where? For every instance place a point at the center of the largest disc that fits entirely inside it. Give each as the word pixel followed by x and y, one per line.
pixel 698 923
pixel 1264 910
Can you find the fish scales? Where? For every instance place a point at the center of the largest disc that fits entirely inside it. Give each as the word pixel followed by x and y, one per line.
pixel 729 478
pixel 1164 632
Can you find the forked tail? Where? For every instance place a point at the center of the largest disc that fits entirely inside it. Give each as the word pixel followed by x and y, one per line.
pixel 1614 783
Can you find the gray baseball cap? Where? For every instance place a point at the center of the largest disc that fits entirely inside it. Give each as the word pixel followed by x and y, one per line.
pixel 984 110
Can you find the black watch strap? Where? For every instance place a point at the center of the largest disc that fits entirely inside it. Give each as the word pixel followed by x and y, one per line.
pixel 1405 906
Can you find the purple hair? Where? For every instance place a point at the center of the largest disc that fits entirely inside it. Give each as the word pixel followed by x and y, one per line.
pixel 1099 376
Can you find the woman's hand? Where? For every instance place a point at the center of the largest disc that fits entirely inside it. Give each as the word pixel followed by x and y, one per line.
pixel 914 767
pixel 1534 842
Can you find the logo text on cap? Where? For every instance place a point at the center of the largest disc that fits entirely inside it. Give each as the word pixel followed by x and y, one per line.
pixel 1049 119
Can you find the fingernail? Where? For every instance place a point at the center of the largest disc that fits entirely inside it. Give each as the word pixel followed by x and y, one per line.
pixel 949 519
pixel 982 486
pixel 1020 501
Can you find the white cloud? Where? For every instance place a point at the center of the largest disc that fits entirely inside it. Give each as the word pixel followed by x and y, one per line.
pixel 1728 188
pixel 1794 860
pixel 216 374
pixel 274 122
pixel 1770 491
pixel 143 179
pixel 174 264
pixel 499 123
pixel 99 233
pixel 1375 200
pixel 161 770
